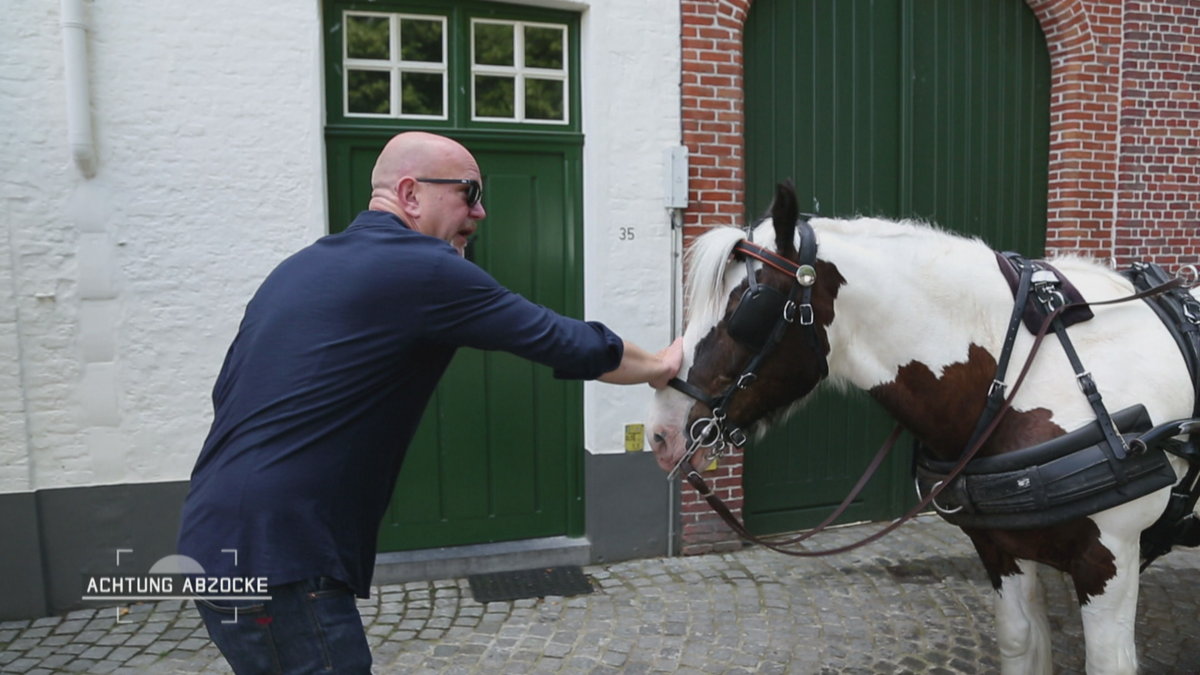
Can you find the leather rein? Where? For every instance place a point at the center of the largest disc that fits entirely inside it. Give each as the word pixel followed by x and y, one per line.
pixel 717 431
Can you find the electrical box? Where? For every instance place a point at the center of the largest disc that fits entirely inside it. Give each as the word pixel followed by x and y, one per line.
pixel 675 161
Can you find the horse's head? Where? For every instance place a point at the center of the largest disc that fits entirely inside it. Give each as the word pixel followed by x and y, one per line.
pixel 756 340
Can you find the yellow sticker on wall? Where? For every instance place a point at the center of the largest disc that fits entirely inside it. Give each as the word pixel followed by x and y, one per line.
pixel 635 437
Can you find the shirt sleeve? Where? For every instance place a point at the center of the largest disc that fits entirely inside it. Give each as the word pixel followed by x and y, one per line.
pixel 465 307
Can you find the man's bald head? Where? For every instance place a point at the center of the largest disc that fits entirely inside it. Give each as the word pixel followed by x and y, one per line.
pixel 438 209
pixel 416 154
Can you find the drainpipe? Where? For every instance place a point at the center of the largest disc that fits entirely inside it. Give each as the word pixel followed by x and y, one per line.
pixel 675 188
pixel 75 72
pixel 676 215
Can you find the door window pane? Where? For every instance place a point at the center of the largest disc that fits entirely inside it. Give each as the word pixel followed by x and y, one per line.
pixel 493 44
pixel 494 96
pixel 398 65
pixel 544 47
pixel 369 92
pixel 420 40
pixel 395 65
pixel 421 93
pixel 367 37
pixel 543 99
pixel 520 71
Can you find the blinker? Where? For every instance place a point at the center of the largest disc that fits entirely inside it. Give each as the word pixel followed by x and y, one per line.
pixel 755 317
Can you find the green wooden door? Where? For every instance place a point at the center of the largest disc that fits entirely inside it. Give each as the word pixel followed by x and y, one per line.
pixel 937 109
pixel 498 452
pixel 497 455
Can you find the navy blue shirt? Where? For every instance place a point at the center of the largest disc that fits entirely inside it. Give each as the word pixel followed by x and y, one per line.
pixel 324 386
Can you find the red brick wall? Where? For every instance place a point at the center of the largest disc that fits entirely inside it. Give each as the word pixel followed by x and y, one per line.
pixel 1124 174
pixel 1158 174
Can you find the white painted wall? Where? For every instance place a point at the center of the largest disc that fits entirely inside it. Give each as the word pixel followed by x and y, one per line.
pixel 119 295
pixel 129 287
pixel 631 100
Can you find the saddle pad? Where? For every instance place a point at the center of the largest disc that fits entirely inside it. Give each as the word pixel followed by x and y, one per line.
pixel 1032 315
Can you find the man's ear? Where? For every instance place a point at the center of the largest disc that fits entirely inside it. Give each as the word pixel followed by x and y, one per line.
pixel 406 196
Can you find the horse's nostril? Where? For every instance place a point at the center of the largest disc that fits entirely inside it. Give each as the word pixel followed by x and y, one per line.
pixel 659 439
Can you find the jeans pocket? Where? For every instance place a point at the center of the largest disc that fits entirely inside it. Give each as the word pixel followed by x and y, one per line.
pixel 328 587
pixel 339 625
pixel 232 607
pixel 242 631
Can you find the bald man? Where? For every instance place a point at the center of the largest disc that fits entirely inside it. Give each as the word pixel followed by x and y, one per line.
pixel 323 388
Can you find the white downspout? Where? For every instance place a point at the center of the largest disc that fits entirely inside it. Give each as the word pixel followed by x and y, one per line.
pixel 75 72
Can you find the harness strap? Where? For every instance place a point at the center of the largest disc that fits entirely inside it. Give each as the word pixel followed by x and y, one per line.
pixel 1180 313
pixel 995 396
pixel 693 391
pixel 1117 449
pixel 1046 290
pixel 767 257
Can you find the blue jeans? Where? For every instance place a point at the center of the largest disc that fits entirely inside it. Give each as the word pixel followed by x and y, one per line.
pixel 307 627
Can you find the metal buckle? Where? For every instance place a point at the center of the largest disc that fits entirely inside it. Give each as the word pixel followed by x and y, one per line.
pixel 789 311
pixel 806 315
pixel 1189 311
pixel 1046 287
pixel 1086 384
pixel 737 437
pixel 997 387
pixel 746 380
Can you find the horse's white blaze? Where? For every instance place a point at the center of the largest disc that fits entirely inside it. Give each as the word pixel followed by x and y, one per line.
pixel 917 294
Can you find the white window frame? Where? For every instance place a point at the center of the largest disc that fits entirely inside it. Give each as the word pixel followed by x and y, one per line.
pixel 395 65
pixel 518 71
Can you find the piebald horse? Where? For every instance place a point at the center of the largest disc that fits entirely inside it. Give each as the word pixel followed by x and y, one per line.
pixel 916 317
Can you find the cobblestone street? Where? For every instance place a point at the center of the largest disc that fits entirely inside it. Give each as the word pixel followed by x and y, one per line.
pixel 916 602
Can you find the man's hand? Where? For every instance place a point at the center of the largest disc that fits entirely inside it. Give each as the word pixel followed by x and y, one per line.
pixel 639 365
pixel 672 359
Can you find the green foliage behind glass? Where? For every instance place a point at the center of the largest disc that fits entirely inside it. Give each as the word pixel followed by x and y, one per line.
pixel 367 37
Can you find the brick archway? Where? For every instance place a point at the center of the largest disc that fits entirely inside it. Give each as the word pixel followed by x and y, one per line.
pixel 1084 39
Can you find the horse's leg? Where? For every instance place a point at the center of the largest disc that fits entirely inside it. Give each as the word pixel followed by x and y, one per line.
pixel 1108 603
pixel 1022 628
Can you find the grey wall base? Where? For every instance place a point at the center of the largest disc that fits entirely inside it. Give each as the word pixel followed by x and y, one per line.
pixel 628 505
pixel 51 538
pixel 455 562
pixel 22 583
pixel 628 501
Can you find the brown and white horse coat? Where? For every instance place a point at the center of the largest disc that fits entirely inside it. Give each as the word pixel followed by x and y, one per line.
pixel 916 317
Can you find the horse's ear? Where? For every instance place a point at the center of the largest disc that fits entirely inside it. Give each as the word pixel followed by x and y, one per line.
pixel 784 212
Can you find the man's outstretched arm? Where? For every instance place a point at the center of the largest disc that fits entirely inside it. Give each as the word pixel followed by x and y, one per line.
pixel 638 365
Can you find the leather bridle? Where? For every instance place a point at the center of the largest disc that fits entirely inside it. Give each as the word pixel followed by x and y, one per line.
pixel 758 324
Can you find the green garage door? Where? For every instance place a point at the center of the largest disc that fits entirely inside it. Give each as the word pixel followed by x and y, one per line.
pixel 936 109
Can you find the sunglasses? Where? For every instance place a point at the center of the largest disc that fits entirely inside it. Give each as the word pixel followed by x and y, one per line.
pixel 474 189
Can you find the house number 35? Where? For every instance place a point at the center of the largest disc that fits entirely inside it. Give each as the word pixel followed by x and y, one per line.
pixel 626 234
